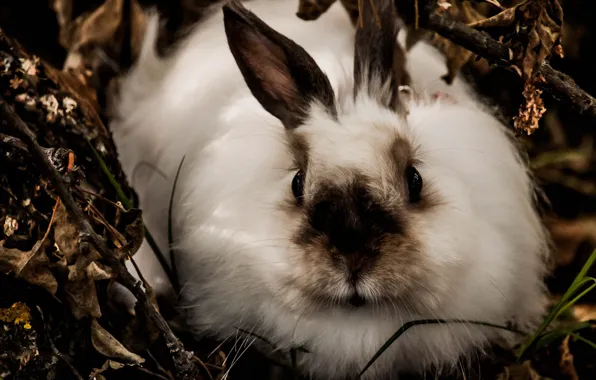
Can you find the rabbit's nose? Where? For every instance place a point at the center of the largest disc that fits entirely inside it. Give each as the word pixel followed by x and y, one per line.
pixel 349 238
pixel 352 225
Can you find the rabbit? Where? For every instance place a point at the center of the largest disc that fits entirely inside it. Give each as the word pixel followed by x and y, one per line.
pixel 332 188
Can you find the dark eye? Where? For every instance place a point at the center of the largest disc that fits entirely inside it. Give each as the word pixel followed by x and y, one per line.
pixel 414 180
pixel 298 186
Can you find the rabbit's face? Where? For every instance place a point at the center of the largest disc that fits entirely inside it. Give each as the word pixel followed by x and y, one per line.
pixel 357 195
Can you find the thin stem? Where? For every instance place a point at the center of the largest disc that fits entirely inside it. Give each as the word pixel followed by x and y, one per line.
pixel 182 359
pixel 410 324
pixel 174 279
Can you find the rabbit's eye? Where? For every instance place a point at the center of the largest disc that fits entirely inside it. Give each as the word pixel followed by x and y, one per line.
pixel 414 180
pixel 298 186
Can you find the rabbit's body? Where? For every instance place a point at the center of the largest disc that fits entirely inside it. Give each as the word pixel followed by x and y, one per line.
pixel 474 249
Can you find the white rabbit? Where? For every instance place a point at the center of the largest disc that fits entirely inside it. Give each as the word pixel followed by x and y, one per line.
pixel 321 207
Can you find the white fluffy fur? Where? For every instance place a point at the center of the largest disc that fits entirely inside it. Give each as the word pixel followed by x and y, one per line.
pixel 486 242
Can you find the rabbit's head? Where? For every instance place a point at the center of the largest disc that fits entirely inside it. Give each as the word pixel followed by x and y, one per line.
pixel 390 200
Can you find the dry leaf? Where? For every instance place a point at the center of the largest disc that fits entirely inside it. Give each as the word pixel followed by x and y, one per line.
pixel 140 332
pixel 11 225
pixel 63 9
pixel 444 5
pixel 116 237
pixel 15 83
pixel 536 22
pixel 567 235
pixel 97 27
pixel 97 271
pixel 566 364
pixel 523 371
pixel 32 266
pixel 109 346
pixel 101 43
pixel 88 255
pixel 29 65
pixel 80 288
pixel 82 298
pixel 66 235
pixel 134 231
pixel 456 55
pixel 584 313
pixel 101 27
pixel 109 364
pixel 532 110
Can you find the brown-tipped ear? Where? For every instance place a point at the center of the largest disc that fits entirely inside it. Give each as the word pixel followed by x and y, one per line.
pixel 379 60
pixel 281 75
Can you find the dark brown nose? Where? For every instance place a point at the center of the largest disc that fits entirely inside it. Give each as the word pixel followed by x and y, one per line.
pixel 352 222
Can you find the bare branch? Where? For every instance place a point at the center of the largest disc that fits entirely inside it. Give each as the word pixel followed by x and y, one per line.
pixel 561 86
pixel 182 359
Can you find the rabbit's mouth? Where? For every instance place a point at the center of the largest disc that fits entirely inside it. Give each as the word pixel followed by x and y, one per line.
pixel 356 300
pixel 353 301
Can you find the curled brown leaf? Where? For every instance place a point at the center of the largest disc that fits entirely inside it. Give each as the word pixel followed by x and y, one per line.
pixel 80 288
pixel 32 266
pixel 96 373
pixel 521 371
pixel 532 29
pixel 66 235
pixel 99 37
pixel 567 235
pixel 532 110
pixel 455 55
pixel 107 345
pixel 566 363
pixel 584 313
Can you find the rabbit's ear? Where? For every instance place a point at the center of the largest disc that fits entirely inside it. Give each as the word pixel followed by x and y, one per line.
pixel 281 75
pixel 379 60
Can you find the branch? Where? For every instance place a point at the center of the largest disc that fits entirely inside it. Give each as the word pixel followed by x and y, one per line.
pixel 182 359
pixel 561 86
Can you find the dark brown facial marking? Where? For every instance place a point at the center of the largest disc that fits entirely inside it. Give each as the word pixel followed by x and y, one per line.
pixel 401 155
pixel 352 224
pixel 299 149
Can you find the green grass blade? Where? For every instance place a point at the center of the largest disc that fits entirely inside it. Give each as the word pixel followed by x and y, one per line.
pixel 561 305
pixel 102 164
pixel 580 296
pixel 580 276
pixel 410 324
pixel 584 340
pixel 128 205
pixel 549 337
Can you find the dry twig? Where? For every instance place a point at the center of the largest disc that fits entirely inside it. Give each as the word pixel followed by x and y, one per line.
pixel 561 86
pixel 182 359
